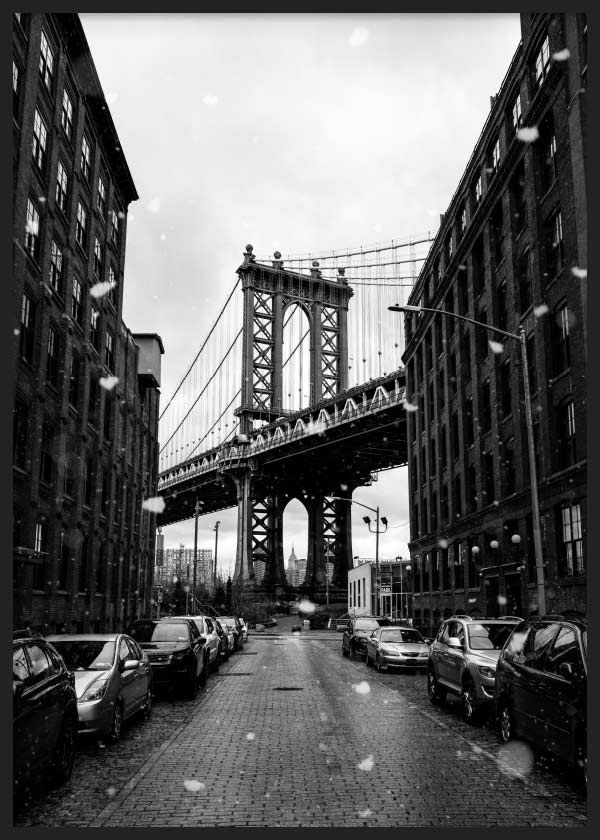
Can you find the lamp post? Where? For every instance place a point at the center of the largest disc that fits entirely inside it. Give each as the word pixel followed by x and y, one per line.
pixel 216 529
pixel 377 531
pixel 196 512
pixel 535 507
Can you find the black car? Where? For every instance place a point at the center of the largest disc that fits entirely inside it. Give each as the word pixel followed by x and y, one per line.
pixel 354 640
pixel 176 651
pixel 44 715
pixel 541 687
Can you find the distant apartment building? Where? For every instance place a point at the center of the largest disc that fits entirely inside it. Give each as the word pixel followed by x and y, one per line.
pixel 511 252
pixel 86 389
pixel 393 597
pixel 174 564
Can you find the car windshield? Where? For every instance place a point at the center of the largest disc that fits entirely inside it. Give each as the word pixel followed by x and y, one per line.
pixel 398 634
pixel 87 655
pixel 230 622
pixel 369 623
pixel 160 632
pixel 484 636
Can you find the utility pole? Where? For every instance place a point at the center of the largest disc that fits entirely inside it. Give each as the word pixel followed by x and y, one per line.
pixel 216 529
pixel 196 512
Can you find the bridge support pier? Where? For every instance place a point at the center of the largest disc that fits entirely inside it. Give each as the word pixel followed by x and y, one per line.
pixel 244 568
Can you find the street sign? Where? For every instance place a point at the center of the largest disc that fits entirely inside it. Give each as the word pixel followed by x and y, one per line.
pixel 386 588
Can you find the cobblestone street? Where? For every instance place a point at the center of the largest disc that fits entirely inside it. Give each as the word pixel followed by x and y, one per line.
pixel 289 733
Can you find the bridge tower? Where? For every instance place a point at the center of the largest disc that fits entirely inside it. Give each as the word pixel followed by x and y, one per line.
pixel 269 290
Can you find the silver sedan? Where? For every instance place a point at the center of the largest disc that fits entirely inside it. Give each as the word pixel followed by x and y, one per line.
pixel 400 647
pixel 113 679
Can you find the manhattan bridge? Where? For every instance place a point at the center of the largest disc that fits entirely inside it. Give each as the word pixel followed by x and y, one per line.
pixel 297 392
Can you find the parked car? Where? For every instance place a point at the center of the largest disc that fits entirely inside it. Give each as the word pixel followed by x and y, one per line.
pixel 462 661
pixel 541 687
pixel 244 628
pixel 113 680
pixel 228 638
pixel 400 647
pixel 176 654
pixel 208 632
pixel 225 639
pixel 354 640
pixel 44 715
pixel 238 635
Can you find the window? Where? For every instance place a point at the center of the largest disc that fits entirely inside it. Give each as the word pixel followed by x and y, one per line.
pixel 487 465
pixel 428 351
pixel 32 231
pixel 452 382
pixel 26 332
pixel 109 350
pixel 525 290
pixel 88 481
pixel 443 450
pixel 517 118
pixel 114 227
pixel 426 571
pixel 561 342
pixel 74 379
pixel 447 250
pixel 505 389
pixel 549 171
pixel 437 326
pixel 16 89
pixel 97 258
pixel 472 571
pixel 570 558
pixel 435 569
pixel 81 225
pixel 436 271
pixel 566 434
pixel 52 357
pixel 84 565
pixel 466 357
pixel 542 62
pixel 62 187
pixel 449 305
pixel 63 562
pixel 463 294
pixel 45 458
pixel 459 565
pixel 55 276
pixel 444 503
pixel 554 245
pixel 497 233
pixel 494 157
pixel 462 221
pixel 86 158
pixel 518 200
pixel 424 516
pixel 444 569
pixel 469 422
pixel 95 328
pixel 457 496
pixel 46 63
pixel 101 197
pixel 77 302
pixel 108 411
pixel 501 307
pixel 442 388
pixel 565 650
pixel 481 336
pixel 93 401
pixel 478 266
pixel 485 407
pixel 476 191
pixel 112 293
pixel 509 465
pixel 66 116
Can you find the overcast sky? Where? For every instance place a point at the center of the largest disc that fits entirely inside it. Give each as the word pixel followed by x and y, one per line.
pixel 297 132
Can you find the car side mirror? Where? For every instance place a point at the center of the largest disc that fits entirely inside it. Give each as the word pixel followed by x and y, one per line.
pixel 202 640
pixel 454 642
pixel 131 664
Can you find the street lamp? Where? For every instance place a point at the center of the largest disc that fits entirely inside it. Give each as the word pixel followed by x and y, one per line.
pixel 196 513
pixel 535 507
pixel 367 521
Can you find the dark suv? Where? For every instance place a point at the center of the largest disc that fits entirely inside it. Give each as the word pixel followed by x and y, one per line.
pixel 541 687
pixel 462 661
pixel 44 714
pixel 176 651
pixel 354 640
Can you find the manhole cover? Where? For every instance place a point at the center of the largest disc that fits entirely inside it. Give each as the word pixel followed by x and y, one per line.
pixel 250 653
pixel 288 688
pixel 236 674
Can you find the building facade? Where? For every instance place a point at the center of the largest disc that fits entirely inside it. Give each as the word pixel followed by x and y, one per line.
pixel 394 589
pixel 86 390
pixel 178 563
pixel 511 252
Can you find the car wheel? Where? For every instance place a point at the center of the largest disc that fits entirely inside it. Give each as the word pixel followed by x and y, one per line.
pixel 344 651
pixel 505 722
pixel 192 685
pixel 434 692
pixel 468 705
pixel 63 756
pixel 147 709
pixel 117 724
pixel 217 662
pixel 380 667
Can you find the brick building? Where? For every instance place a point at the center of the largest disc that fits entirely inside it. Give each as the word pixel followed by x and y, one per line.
pixel 511 250
pixel 84 453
